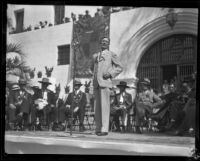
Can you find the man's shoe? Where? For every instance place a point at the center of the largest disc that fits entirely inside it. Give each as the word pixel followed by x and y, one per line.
pixel 102 134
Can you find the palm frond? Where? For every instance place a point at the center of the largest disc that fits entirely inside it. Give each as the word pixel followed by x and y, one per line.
pixel 15 47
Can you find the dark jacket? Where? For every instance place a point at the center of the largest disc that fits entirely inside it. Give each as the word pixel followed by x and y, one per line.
pixel 50 97
pixel 76 100
pixel 127 100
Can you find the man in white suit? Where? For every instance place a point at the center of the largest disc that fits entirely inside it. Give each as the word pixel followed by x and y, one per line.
pixel 106 67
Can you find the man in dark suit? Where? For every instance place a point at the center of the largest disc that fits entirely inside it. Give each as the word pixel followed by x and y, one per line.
pixel 123 103
pixel 77 101
pixel 106 67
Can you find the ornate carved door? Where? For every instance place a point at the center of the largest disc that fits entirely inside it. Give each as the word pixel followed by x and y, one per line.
pixel 179 50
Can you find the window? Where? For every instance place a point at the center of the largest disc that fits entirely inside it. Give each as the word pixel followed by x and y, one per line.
pixel 19 15
pixel 63 54
pixel 59 14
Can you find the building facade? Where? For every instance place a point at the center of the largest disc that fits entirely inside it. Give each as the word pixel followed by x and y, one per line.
pixel 150 47
pixel 147 45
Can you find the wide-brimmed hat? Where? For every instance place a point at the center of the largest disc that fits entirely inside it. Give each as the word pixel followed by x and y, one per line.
pixel 146 81
pixel 15 87
pixel 45 81
pixel 77 82
pixel 22 81
pixel 122 84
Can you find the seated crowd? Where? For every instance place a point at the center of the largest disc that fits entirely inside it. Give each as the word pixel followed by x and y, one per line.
pixel 41 109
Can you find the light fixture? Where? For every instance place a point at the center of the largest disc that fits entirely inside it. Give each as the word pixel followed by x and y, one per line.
pixel 171 18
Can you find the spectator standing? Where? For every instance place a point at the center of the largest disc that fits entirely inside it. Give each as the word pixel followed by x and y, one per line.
pixel 165 87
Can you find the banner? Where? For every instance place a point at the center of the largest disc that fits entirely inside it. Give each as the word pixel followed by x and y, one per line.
pixel 87 34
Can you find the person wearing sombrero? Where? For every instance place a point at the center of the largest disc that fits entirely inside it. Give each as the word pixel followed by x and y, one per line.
pixel 106 67
pixel 123 103
pixel 146 101
pixel 77 101
pixel 48 107
pixel 33 112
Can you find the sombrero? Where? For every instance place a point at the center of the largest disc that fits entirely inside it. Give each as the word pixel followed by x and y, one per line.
pixel 45 81
pixel 77 82
pixel 122 84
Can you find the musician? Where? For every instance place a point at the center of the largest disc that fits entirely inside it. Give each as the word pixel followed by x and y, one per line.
pixel 122 105
pixel 188 123
pixel 77 101
pixel 179 107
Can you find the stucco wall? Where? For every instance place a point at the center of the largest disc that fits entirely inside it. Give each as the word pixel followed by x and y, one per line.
pixel 129 39
pixel 40 47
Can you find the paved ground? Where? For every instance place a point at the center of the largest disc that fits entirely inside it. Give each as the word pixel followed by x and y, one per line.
pixel 113 136
pixel 25 142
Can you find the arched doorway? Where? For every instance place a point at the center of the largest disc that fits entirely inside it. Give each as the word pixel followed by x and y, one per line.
pixel 172 56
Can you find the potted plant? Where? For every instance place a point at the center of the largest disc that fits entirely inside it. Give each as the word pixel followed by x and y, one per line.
pixel 50 24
